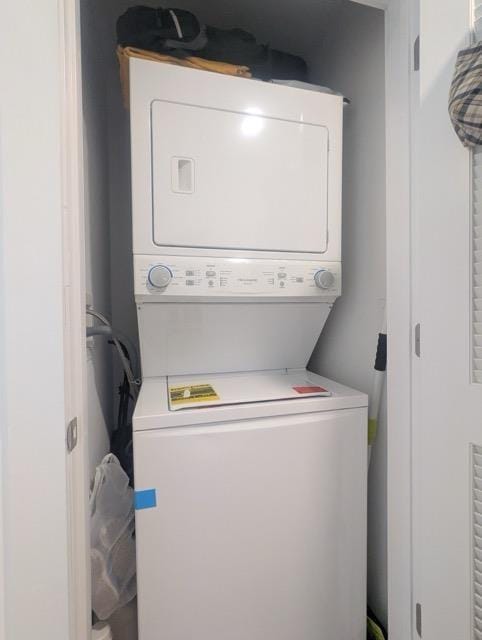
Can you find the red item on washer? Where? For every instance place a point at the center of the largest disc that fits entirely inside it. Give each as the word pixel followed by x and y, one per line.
pixel 313 389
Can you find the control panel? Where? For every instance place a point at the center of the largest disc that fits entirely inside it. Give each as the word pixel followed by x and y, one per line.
pixel 184 276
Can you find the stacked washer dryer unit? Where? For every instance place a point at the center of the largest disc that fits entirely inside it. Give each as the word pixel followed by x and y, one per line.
pixel 250 472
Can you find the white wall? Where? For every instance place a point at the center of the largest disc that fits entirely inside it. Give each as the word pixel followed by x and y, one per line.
pixel 95 57
pixel 351 60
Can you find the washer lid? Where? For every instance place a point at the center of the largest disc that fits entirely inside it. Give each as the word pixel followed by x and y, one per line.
pixel 189 392
pixel 238 396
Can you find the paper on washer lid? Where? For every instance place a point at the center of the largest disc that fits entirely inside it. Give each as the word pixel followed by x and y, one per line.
pixel 229 389
pixel 188 394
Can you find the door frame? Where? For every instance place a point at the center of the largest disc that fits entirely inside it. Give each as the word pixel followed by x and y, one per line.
pixel 78 475
pixel 399 64
pixel 400 40
pixel 42 336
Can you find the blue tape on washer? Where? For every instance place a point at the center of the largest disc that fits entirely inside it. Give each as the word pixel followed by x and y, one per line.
pixel 145 499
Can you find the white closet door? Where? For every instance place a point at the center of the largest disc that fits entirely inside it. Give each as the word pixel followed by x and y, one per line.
pixel 447 420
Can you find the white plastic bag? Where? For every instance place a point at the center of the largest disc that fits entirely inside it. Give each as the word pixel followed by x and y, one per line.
pixel 113 559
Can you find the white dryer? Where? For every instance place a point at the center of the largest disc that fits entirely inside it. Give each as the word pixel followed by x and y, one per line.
pixel 251 516
pixel 236 194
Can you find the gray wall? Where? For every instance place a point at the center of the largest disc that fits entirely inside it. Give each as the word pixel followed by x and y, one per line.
pixel 108 232
pixel 351 60
pixel 97 231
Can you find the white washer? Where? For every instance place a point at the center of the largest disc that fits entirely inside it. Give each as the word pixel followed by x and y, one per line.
pixel 251 508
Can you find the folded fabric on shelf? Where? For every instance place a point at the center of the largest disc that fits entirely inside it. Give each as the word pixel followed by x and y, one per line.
pixel 192 62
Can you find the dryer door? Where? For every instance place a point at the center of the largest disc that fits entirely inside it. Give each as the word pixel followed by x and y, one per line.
pixel 229 180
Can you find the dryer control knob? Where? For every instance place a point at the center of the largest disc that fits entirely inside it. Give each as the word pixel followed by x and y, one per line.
pixel 324 279
pixel 159 276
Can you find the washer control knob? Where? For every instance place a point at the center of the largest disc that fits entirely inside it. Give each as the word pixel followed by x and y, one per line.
pixel 159 276
pixel 324 279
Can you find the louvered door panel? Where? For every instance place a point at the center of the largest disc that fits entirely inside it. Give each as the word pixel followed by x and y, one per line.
pixel 477 540
pixel 478 19
pixel 477 232
pixel 477 264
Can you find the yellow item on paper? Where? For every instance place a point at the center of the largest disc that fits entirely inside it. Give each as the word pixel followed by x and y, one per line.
pixel 192 62
pixel 192 393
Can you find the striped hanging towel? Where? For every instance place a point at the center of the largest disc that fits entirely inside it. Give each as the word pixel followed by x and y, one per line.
pixel 465 101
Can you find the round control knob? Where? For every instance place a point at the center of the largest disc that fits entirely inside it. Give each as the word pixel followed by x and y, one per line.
pixel 324 279
pixel 159 276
